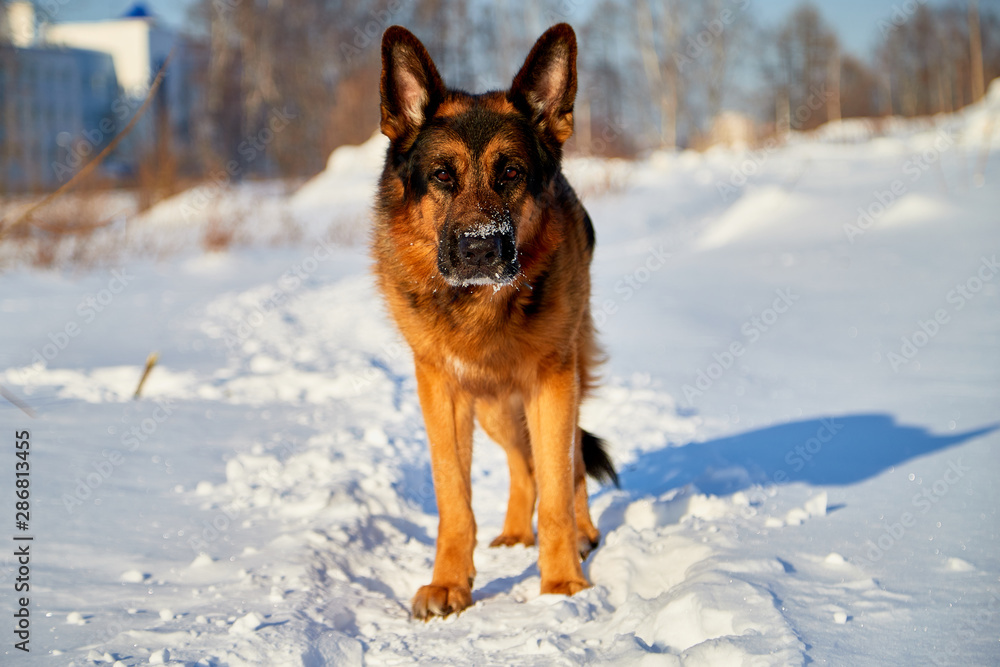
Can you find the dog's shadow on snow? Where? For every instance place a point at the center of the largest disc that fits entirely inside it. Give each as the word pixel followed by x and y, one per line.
pixel 833 451
pixel 822 452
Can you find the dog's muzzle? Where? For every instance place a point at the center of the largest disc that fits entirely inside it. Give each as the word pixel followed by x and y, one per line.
pixel 479 257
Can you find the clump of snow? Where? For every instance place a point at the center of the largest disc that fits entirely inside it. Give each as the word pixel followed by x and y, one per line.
pixel 958 565
pixel 834 559
pixel 202 560
pixel 246 624
pixel 916 209
pixel 349 179
pixel 796 516
pixel 160 657
pixel 133 577
pixel 816 506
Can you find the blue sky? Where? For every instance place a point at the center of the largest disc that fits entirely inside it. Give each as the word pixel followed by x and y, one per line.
pixel 854 20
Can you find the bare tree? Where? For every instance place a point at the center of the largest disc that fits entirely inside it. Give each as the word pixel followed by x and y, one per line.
pixel 833 102
pixel 4 28
pixel 308 67
pixel 609 82
pixel 806 46
pixel 444 28
pixel 721 26
pixel 939 59
pixel 660 71
pixel 861 92
pixel 975 52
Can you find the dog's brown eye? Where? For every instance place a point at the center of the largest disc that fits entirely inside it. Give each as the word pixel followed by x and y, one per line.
pixel 511 174
pixel 442 175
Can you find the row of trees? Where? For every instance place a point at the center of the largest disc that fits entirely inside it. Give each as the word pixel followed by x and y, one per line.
pixel 653 73
pixel 700 59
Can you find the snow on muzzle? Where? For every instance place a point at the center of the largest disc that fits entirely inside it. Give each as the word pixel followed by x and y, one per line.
pixel 484 254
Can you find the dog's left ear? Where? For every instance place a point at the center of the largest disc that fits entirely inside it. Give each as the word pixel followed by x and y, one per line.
pixel 546 83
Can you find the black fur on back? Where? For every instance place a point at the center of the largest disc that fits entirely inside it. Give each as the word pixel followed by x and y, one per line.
pixel 596 459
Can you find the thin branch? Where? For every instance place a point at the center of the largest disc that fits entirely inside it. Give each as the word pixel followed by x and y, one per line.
pixel 93 164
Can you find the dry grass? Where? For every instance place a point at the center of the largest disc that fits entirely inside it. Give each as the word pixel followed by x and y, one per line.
pixel 220 233
pixel 79 230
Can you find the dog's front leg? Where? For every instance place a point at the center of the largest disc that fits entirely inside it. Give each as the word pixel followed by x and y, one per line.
pixel 448 415
pixel 552 415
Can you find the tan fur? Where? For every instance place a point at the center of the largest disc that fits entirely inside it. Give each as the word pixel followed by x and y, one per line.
pixel 519 358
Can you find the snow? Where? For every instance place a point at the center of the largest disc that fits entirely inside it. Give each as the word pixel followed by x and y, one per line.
pixel 804 418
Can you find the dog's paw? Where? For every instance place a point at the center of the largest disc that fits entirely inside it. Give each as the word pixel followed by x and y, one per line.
pixel 585 545
pixel 432 600
pixel 569 587
pixel 505 540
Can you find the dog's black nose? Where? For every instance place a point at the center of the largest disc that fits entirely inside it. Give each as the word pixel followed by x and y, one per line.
pixel 479 251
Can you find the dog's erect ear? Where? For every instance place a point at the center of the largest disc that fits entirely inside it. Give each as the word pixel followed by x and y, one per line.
pixel 411 86
pixel 546 83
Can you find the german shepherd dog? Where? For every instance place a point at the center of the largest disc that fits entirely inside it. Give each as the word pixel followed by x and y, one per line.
pixel 482 252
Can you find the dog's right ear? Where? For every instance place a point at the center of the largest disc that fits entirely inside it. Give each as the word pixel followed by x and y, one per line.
pixel 411 86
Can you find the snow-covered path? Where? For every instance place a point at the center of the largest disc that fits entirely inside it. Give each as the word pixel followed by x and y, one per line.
pixel 802 396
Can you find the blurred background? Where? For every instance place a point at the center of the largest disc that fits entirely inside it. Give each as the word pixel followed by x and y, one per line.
pixel 653 74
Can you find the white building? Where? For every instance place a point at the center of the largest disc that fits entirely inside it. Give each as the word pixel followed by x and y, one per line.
pixel 48 96
pixel 137 43
pixel 20 23
pixel 67 89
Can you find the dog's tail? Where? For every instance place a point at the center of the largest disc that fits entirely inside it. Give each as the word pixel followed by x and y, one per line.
pixel 596 459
